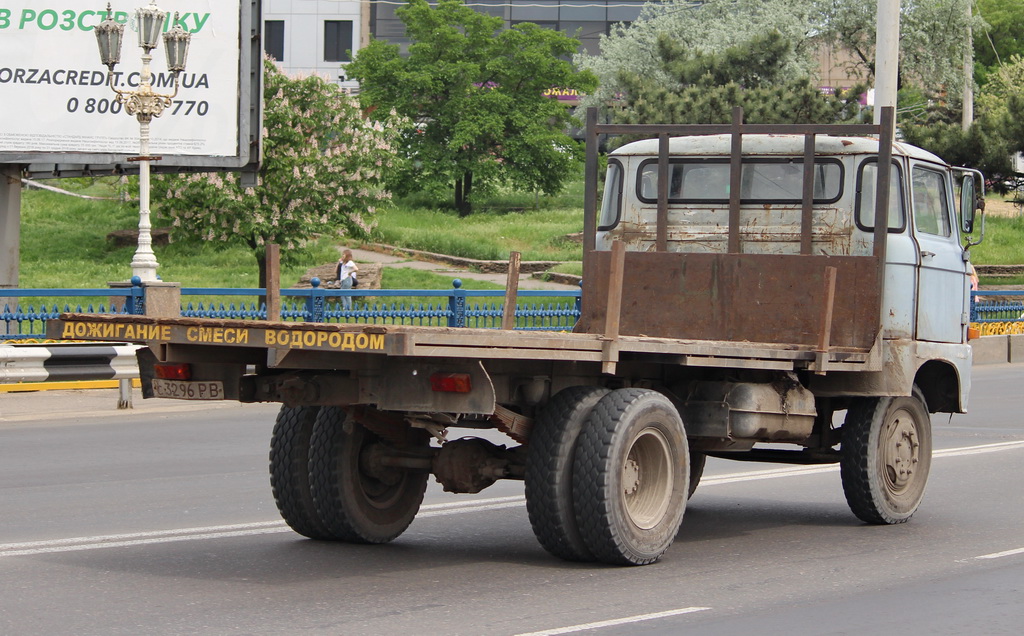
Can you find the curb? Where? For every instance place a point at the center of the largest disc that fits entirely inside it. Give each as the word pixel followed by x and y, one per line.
pixel 29 387
pixel 998 349
pixel 557 277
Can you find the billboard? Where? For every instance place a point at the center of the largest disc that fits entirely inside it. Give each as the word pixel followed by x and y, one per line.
pixel 58 112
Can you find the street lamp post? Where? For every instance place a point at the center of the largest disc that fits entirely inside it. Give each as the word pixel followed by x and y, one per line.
pixel 144 103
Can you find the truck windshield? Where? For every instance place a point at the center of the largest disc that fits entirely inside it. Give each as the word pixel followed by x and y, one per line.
pixel 764 181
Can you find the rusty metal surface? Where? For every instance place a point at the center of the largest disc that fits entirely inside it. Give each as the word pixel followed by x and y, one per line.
pixel 768 298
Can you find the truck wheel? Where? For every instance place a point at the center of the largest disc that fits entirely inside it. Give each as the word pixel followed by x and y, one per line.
pixel 289 471
pixel 549 461
pixel 885 456
pixel 358 502
pixel 697 461
pixel 630 477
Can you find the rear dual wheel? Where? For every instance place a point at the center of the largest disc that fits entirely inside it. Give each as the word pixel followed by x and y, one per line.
pixel 549 465
pixel 289 471
pixel 630 477
pixel 328 485
pixel 697 461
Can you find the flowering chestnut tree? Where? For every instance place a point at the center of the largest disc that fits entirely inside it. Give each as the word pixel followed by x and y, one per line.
pixel 323 170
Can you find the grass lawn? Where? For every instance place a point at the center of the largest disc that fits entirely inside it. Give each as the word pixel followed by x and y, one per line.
pixel 64 245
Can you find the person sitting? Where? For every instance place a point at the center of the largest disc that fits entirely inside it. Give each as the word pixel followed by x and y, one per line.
pixel 346 271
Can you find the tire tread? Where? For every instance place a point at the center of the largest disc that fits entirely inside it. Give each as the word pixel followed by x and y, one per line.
pixel 289 471
pixel 549 467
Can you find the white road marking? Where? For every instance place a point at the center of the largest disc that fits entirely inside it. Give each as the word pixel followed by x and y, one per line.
pixel 999 555
pixel 77 544
pixel 773 473
pixel 977 450
pixel 616 621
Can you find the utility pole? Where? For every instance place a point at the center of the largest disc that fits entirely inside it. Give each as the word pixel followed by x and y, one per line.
pixel 887 55
pixel 10 234
pixel 968 116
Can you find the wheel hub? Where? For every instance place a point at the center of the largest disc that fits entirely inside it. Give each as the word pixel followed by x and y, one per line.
pixel 901 451
pixel 630 476
pixel 647 479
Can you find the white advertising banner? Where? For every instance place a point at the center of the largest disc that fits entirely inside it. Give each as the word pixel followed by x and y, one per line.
pixel 54 95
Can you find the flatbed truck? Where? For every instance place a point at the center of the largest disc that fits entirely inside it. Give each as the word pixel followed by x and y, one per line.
pixel 793 293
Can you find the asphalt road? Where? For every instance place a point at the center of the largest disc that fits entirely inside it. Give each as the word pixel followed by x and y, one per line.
pixel 160 521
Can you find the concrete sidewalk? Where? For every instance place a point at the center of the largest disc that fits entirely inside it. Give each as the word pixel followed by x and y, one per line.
pixel 88 404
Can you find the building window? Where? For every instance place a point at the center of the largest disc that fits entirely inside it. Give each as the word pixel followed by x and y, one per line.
pixel 273 39
pixel 337 40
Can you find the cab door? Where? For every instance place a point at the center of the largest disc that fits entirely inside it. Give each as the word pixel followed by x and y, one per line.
pixel 941 267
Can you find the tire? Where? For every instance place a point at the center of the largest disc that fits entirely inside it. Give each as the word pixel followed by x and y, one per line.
pixel 630 477
pixel 697 461
pixel 289 471
pixel 549 465
pixel 355 505
pixel 885 457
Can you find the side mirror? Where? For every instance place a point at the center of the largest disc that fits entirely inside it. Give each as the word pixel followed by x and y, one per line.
pixel 968 203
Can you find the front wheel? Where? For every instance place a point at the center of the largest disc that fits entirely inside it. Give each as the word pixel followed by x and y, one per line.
pixel 630 477
pixel 357 498
pixel 885 457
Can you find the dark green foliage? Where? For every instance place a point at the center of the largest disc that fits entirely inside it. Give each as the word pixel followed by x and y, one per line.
pixel 708 85
pixel 983 146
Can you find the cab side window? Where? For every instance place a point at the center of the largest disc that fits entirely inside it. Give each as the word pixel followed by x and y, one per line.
pixel 931 205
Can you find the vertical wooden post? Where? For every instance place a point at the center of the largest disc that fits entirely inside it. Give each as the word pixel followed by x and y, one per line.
pixel 735 179
pixel 273 256
pixel 881 234
pixel 590 184
pixel 661 236
pixel 613 311
pixel 825 331
pixel 508 314
pixel 807 205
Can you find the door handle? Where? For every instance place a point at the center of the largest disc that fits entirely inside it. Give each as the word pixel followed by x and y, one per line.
pixel 927 254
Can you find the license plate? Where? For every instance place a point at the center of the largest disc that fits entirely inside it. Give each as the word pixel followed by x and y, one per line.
pixel 188 389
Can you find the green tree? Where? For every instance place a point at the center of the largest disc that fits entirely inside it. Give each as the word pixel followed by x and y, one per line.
pixel 704 87
pixel 323 170
pixel 996 134
pixel 932 37
pixel 709 27
pixel 1000 38
pixel 477 95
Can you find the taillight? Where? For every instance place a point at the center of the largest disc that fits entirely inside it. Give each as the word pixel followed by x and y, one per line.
pixel 173 371
pixel 451 383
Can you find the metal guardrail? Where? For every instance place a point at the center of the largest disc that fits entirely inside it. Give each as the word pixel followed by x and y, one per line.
pixel 997 306
pixel 57 362
pixel 550 310
pixel 61 362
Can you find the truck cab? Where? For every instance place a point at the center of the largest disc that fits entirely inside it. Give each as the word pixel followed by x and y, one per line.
pixel 926 286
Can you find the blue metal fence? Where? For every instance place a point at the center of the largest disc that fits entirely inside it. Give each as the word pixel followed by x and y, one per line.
pixel 455 307
pixel 997 306
pixel 554 310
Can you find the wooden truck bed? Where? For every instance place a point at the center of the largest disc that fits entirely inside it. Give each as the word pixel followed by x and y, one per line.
pixel 230 338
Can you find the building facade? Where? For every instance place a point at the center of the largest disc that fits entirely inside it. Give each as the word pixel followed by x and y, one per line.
pixel 316 36
pixel 319 36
